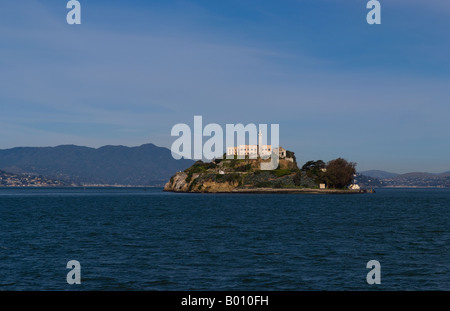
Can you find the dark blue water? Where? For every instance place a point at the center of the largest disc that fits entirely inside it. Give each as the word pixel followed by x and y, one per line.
pixel 145 239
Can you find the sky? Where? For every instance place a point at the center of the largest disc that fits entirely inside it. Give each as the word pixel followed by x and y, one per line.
pixel 377 95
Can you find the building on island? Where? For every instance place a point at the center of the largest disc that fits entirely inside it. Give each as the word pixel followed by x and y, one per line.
pixel 354 187
pixel 255 150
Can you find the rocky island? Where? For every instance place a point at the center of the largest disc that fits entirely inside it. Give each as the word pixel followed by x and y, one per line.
pixel 245 176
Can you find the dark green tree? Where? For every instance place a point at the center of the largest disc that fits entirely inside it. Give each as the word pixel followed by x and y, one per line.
pixel 290 154
pixel 314 170
pixel 313 166
pixel 339 173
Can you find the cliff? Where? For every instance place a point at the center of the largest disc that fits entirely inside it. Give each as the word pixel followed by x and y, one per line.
pixel 240 176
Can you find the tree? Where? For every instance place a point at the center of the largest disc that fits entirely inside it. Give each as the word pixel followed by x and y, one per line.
pixel 314 170
pixel 290 154
pixel 313 165
pixel 339 173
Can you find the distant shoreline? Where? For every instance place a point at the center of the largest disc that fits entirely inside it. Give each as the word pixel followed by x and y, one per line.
pixel 254 190
pixel 282 191
pixel 87 186
pixel 298 190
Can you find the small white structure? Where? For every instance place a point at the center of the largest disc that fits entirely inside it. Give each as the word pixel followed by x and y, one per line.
pixel 354 187
pixel 221 172
pixel 322 186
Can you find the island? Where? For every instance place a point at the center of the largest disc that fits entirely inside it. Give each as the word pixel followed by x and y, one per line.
pixel 246 176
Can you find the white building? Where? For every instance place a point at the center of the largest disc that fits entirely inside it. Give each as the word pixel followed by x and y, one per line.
pixel 354 187
pixel 253 150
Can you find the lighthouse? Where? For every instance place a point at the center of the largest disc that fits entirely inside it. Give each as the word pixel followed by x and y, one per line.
pixel 260 139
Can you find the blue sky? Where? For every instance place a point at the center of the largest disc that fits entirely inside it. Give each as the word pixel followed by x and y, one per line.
pixel 377 95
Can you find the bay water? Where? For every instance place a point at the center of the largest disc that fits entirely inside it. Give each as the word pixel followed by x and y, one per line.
pixel 147 239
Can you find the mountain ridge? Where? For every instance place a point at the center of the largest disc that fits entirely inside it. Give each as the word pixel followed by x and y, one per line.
pixel 385 175
pixel 378 174
pixel 146 164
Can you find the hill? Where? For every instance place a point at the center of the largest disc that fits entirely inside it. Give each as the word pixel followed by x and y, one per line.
pixel 378 174
pixel 246 176
pixel 418 175
pixel 418 179
pixel 227 175
pixel 414 179
pixel 146 165
pixel 24 180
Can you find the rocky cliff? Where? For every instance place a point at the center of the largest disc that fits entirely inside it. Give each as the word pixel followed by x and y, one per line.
pixel 239 175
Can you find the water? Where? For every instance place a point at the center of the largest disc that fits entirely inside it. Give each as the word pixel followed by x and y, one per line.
pixel 145 239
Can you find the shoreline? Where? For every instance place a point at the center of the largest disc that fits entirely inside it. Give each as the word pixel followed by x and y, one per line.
pixel 301 190
pixel 282 191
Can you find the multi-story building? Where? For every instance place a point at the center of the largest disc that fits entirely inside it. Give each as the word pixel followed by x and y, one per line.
pixel 255 150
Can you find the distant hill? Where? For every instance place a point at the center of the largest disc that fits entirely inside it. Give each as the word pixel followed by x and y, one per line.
pixel 24 180
pixel 378 174
pixel 416 175
pixel 419 179
pixel 144 165
pixel 376 178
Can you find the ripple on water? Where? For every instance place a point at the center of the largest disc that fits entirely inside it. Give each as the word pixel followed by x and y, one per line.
pixel 128 241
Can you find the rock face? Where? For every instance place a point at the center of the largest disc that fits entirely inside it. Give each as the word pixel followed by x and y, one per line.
pixel 180 182
pixel 177 183
pixel 238 176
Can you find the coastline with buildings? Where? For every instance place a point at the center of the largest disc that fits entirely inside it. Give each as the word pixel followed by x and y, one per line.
pixel 27 180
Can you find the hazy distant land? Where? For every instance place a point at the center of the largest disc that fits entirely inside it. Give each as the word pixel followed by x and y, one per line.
pixel 145 165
